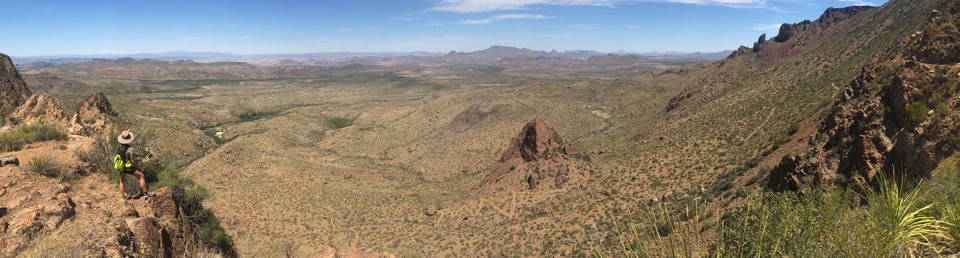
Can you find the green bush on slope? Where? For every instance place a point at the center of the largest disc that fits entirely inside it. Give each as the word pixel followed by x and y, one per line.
pixel 894 222
pixel 22 135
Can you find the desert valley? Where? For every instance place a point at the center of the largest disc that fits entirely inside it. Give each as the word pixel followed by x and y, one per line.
pixel 788 147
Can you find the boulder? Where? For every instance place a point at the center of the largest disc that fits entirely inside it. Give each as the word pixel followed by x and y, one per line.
pixel 129 211
pixel 9 161
pixel 785 176
pixel 148 237
pixel 430 210
pixel 24 226
pixel 76 127
pixel 572 151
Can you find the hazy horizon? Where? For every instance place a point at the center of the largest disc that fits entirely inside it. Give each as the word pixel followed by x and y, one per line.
pixel 62 28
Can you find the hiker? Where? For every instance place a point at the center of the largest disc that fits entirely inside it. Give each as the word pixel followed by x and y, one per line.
pixel 124 163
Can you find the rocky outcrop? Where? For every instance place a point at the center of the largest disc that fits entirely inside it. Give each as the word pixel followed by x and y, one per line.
pixel 26 224
pixel 13 91
pixel 148 236
pixel 788 30
pixel 94 108
pixel 905 124
pixel 535 159
pixel 758 46
pixel 834 15
pixel 156 227
pixel 939 42
pixel 535 142
pixel 173 220
pixel 40 108
pixel 743 50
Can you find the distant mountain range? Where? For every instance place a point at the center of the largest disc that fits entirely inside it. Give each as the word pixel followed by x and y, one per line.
pixel 494 53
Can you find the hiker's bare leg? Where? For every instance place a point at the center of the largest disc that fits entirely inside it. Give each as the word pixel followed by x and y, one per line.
pixel 143 182
pixel 123 191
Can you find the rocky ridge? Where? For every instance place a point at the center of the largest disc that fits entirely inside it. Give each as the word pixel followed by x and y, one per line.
pixel 898 116
pixel 798 37
pixel 13 91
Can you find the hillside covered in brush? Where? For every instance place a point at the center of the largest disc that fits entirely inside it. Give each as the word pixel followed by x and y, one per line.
pixel 772 151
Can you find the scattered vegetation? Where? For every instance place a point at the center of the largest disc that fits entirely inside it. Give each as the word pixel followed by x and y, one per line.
pixel 15 139
pixel 339 122
pixel 190 196
pixel 888 220
pixel 101 155
pixel 48 165
pixel 160 174
pixel 669 236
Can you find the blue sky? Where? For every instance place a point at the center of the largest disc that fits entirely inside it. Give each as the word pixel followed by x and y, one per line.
pixel 61 27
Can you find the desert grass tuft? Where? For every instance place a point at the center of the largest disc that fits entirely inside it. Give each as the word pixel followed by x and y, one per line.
pixel 48 165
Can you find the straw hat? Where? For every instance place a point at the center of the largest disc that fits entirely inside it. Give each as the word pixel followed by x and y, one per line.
pixel 126 137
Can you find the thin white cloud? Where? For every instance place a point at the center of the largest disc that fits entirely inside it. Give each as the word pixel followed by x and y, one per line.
pixel 501 17
pixel 766 27
pixel 858 2
pixel 192 38
pixel 480 6
pixel 584 27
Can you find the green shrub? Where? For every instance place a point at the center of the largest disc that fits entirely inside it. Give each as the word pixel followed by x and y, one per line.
pixel 943 191
pixel 820 224
pixel 916 112
pixel 903 221
pixel 339 122
pixel 190 196
pixel 47 165
pixel 20 136
pixel 101 156
pixel 793 129
pixel 951 218
pixel 211 233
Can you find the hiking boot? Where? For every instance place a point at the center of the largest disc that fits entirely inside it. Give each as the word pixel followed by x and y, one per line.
pixel 149 194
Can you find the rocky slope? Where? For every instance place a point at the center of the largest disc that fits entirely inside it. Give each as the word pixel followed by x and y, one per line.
pixel 81 214
pixel 72 211
pixel 900 115
pixel 13 91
